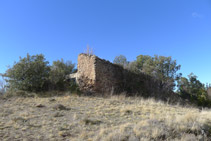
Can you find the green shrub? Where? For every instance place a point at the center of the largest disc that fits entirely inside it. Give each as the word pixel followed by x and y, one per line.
pixel 191 88
pixel 2 87
pixel 34 74
pixel 121 60
pixel 162 68
pixel 59 71
pixel 29 74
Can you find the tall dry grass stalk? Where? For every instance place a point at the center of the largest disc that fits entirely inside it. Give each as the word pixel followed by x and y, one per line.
pixel 89 50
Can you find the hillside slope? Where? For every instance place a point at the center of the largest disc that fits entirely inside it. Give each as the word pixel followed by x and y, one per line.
pixel 94 118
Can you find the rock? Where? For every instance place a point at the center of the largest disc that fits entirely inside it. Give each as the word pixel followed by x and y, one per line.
pixel 40 106
pixel 52 100
pixel 64 133
pixel 60 107
pixel 57 114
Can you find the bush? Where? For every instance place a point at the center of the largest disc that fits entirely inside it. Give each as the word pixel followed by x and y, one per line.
pixel 34 74
pixel 2 87
pixel 162 68
pixel 193 90
pixel 59 71
pixel 29 74
pixel 121 60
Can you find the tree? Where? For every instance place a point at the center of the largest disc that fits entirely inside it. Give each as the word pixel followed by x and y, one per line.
pixel 191 88
pixel 121 60
pixel 29 74
pixel 160 67
pixel 2 87
pixel 145 63
pixel 184 87
pixel 166 67
pixel 59 71
pixel 133 67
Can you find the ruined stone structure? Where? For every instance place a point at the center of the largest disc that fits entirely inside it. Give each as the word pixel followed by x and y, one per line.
pixel 100 76
pixel 209 93
pixel 97 75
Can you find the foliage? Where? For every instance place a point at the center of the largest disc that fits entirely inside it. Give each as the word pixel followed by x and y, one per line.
pixel 121 60
pixel 191 88
pixel 145 63
pixel 34 74
pixel 59 71
pixel 133 67
pixel 166 70
pixel 29 74
pixel 2 87
pixel 160 67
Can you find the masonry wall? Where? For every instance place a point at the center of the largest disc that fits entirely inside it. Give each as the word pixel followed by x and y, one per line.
pixel 109 77
pixel 100 76
pixel 209 93
pixel 112 78
pixel 86 74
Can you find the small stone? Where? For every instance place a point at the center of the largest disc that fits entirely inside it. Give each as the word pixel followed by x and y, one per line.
pixel 64 133
pixel 60 107
pixel 52 100
pixel 57 114
pixel 40 106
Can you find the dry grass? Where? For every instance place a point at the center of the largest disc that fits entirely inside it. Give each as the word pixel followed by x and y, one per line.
pixel 100 119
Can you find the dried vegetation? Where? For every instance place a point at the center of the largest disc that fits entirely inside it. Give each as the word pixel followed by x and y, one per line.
pixel 100 119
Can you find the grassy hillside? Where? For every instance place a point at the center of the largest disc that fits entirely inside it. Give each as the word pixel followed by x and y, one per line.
pixel 95 118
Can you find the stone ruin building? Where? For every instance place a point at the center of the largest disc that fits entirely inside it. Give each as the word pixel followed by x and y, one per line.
pixel 97 75
pixel 209 93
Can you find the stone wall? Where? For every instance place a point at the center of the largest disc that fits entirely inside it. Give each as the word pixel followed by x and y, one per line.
pixel 97 75
pixel 86 75
pixel 209 93
pixel 100 76
pixel 108 76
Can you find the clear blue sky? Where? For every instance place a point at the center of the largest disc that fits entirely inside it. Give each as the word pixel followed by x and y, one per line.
pixel 63 28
